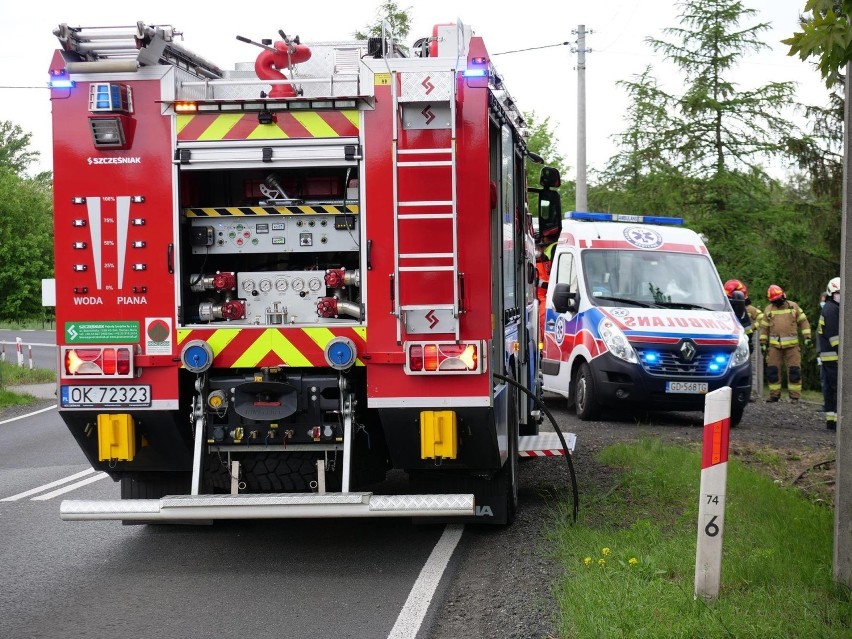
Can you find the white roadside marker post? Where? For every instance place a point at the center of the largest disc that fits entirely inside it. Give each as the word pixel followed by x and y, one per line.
pixel 711 506
pixel 19 350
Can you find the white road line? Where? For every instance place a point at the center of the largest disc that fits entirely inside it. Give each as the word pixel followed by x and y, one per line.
pixel 52 484
pixel 411 616
pixel 14 419
pixel 68 489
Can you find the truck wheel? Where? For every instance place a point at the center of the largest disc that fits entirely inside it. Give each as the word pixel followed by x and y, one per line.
pixel 154 485
pixel 291 472
pixel 585 394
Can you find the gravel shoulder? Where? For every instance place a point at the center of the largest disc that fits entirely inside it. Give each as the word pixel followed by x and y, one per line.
pixel 501 586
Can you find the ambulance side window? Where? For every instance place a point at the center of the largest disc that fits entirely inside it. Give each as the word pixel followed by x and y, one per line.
pixel 566 272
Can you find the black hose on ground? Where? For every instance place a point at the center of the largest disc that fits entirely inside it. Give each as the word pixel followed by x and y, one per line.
pixel 575 494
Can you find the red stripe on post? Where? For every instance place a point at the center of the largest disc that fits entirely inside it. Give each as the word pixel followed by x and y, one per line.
pixel 716 439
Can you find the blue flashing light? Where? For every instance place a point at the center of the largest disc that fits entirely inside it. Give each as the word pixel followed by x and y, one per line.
pixel 651 357
pixel 720 359
pixel 620 217
pixel 61 83
pixel 714 367
pixel 475 73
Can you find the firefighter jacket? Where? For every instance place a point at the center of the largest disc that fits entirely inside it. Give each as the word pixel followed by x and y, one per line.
pixel 780 325
pixel 755 316
pixel 828 332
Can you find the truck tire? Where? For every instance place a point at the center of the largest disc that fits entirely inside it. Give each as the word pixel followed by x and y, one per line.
pixel 585 394
pixel 277 473
pixel 154 485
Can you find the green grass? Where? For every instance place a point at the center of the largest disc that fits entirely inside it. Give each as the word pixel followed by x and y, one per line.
pixel 46 324
pixel 12 375
pixel 630 559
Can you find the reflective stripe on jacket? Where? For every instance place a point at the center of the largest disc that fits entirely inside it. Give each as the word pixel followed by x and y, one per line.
pixel 828 332
pixel 780 325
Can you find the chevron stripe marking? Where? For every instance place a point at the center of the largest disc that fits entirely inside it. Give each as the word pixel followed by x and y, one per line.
pixel 274 341
pixel 267 132
pixel 315 125
pixel 322 336
pixel 220 126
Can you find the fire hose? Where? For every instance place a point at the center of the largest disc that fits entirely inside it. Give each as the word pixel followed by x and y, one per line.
pixel 575 495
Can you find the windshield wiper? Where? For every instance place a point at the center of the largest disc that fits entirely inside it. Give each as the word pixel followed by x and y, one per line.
pixel 684 305
pixel 626 300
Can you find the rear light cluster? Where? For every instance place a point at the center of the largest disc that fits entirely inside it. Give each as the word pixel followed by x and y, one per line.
pixel 97 361
pixel 423 358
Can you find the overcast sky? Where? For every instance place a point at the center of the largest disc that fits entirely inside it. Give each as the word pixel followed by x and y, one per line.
pixel 542 78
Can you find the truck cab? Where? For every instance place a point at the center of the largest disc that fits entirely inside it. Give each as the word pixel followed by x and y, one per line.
pixel 636 318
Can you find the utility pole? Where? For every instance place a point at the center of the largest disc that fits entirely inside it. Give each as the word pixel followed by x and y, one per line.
pixel 843 466
pixel 582 203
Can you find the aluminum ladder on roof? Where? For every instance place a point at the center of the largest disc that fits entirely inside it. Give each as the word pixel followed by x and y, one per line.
pixel 424 100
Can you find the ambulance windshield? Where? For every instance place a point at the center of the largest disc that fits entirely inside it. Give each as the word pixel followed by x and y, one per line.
pixel 656 279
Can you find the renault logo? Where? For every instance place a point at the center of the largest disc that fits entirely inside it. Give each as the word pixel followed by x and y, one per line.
pixel 687 350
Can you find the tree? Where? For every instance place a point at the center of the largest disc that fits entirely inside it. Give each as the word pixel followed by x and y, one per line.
pixel 716 128
pixel 398 19
pixel 542 141
pixel 15 152
pixel 826 35
pixel 26 244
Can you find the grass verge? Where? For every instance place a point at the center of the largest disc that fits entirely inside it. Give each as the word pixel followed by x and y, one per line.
pixel 630 559
pixel 11 376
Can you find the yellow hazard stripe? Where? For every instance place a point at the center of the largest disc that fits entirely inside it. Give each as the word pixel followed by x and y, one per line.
pixel 220 126
pixel 217 341
pixel 322 336
pixel 271 340
pixel 315 125
pixel 233 211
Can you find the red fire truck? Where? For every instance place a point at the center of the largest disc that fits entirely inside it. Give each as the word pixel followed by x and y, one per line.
pixel 276 283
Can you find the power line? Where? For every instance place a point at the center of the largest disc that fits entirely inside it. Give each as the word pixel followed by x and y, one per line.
pixel 15 87
pixel 547 46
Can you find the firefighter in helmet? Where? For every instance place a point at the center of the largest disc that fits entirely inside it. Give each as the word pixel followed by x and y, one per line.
pixel 751 321
pixel 828 347
pixel 779 340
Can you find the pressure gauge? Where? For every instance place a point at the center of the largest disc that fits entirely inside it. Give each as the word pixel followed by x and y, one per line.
pixel 265 285
pixel 298 284
pixel 281 285
pixel 314 284
pixel 248 286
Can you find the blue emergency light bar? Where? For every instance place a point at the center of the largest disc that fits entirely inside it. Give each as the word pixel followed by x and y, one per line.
pixel 62 83
pixel 620 217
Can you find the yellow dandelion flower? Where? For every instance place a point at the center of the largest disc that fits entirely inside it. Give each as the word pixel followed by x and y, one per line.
pixel 633 561
pixel 601 562
pixel 588 561
pixel 606 552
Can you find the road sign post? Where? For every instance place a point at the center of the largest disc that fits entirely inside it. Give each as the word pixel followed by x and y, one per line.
pixel 711 506
pixel 19 349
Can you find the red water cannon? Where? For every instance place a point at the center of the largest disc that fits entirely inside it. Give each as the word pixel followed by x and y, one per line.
pixel 277 57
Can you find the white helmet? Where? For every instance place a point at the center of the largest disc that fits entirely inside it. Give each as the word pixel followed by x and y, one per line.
pixel 833 286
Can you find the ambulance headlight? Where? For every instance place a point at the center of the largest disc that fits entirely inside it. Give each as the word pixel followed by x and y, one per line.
pixel 616 342
pixel 742 353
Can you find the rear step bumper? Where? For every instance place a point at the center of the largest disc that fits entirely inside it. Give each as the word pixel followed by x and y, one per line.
pixel 275 506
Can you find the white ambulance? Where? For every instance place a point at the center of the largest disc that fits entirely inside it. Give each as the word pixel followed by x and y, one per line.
pixel 636 318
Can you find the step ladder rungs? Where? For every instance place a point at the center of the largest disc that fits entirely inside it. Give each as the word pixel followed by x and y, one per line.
pixel 423 151
pixel 423 256
pixel 426 163
pixel 427 268
pixel 426 203
pixel 427 216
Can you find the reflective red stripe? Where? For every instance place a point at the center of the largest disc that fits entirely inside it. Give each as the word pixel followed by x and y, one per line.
pixel 716 439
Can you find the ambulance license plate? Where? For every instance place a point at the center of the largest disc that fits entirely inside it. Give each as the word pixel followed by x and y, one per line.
pixel 687 387
pixel 104 396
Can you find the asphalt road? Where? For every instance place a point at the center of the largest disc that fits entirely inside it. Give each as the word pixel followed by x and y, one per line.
pixel 43 347
pixel 301 578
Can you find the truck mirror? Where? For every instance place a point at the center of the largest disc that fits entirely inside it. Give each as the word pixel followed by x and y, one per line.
pixel 564 300
pixel 549 214
pixel 549 177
